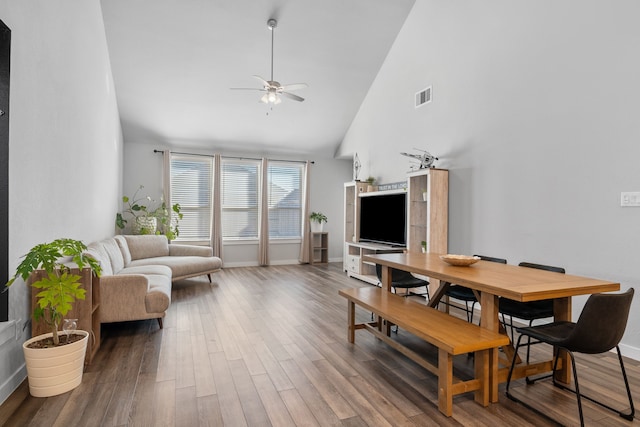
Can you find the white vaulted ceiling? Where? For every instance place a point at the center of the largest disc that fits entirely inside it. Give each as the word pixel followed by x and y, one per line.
pixel 174 63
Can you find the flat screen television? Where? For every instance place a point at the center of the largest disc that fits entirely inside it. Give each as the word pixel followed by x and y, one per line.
pixel 383 219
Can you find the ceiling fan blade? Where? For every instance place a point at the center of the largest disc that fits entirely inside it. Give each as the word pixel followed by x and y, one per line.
pixel 292 96
pixel 295 86
pixel 264 82
pixel 247 88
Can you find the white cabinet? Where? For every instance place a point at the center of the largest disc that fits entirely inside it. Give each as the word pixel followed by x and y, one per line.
pixel 363 270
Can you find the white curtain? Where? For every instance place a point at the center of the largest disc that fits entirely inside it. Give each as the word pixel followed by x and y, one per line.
pixel 263 242
pixel 166 179
pixel 216 217
pixel 304 245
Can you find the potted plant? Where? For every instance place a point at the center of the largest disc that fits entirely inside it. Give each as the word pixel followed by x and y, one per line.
pixel 55 366
pixel 146 219
pixel 370 182
pixel 166 222
pixel 143 222
pixel 317 221
pixel 423 246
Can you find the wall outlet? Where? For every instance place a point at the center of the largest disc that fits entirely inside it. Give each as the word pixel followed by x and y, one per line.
pixel 630 198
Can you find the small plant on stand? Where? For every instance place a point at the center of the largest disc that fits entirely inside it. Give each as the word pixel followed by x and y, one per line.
pixel 423 246
pixel 317 220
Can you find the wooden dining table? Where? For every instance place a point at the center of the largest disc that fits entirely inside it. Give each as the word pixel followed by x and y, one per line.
pixel 493 281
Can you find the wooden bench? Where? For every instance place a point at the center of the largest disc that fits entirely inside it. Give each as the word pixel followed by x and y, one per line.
pixel 451 335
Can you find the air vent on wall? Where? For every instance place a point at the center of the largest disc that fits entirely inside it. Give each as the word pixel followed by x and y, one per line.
pixel 423 97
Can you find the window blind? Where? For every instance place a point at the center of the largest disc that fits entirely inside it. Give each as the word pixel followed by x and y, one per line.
pixel 285 199
pixel 191 187
pixel 240 198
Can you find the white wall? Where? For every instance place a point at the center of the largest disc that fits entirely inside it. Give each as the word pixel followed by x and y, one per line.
pixel 65 172
pixel 144 167
pixel 535 114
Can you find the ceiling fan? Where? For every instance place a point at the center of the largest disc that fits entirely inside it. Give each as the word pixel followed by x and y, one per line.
pixel 272 88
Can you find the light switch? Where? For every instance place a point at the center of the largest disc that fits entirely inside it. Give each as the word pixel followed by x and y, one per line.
pixel 630 198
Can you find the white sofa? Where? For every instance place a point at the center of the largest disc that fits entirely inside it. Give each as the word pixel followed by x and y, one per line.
pixel 137 272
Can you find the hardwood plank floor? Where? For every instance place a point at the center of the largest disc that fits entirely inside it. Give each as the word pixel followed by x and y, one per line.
pixel 268 346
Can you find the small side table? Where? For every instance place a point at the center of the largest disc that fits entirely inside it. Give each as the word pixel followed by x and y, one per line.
pixel 318 247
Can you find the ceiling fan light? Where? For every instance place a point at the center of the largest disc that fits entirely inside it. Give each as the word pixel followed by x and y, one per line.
pixel 273 98
pixel 265 98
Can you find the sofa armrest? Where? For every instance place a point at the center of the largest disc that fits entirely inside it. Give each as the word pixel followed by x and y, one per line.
pixel 121 289
pixel 122 297
pixel 190 250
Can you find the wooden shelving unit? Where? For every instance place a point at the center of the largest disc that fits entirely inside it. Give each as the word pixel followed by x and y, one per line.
pixel 427 220
pixel 428 216
pixel 86 311
pixel 319 247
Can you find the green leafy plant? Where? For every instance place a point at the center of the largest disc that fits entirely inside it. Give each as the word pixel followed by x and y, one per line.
pixel 371 180
pixel 134 208
pixel 60 288
pixel 167 222
pixel 318 217
pixel 138 207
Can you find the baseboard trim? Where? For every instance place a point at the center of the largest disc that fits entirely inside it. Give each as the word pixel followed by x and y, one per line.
pixel 12 383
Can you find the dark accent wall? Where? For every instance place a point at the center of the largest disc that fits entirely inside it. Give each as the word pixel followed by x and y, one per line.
pixel 5 59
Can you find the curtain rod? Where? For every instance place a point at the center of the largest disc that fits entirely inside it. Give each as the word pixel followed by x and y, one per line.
pixel 235 157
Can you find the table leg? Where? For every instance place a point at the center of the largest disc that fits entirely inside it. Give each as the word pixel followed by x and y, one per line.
pixel 386 278
pixel 489 320
pixel 562 312
pixel 351 321
pixel 438 294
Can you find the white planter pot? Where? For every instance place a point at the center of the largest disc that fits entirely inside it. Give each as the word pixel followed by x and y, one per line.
pixel 145 225
pixel 316 227
pixel 53 371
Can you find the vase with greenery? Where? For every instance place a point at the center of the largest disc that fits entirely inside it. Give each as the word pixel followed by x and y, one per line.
pixel 59 288
pixel 148 219
pixel 317 220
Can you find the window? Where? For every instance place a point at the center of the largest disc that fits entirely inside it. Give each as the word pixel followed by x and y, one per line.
pixel 191 178
pixel 285 200
pixel 240 197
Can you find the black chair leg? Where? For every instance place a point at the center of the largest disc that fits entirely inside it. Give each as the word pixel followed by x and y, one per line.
pixel 627 416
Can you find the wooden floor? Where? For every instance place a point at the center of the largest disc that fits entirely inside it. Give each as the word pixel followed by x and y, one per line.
pixel 268 346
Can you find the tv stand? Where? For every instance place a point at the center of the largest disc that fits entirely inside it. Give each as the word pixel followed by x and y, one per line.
pixel 362 270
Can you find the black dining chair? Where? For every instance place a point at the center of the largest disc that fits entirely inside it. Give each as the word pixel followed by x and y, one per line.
pixel 401 279
pixel 589 335
pixel 528 311
pixel 466 295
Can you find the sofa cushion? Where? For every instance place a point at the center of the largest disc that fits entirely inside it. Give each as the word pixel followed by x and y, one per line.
pixel 147 246
pixel 115 254
pixel 182 265
pixel 159 270
pixel 97 251
pixel 124 248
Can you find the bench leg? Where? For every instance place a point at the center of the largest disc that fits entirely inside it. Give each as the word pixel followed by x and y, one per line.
pixel 351 321
pixel 482 373
pixel 445 382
